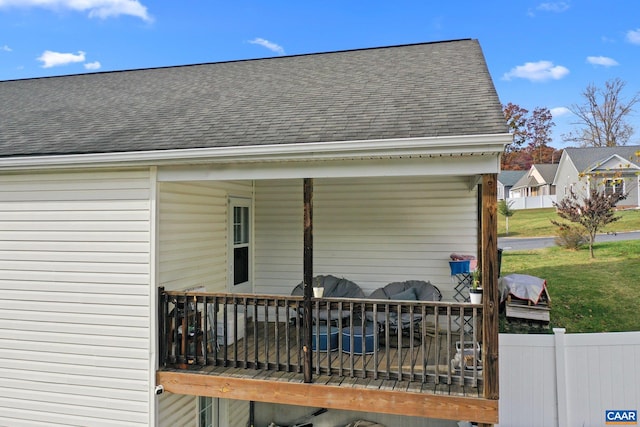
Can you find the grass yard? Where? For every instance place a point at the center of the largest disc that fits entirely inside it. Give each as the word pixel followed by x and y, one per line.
pixel 587 295
pixel 537 223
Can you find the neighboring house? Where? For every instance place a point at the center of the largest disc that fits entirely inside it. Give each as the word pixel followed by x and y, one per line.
pixel 537 181
pixel 136 205
pixel 506 180
pixel 612 169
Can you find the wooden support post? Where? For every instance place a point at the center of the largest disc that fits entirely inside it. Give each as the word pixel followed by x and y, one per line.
pixel 307 279
pixel 490 285
pixel 479 244
pixel 163 315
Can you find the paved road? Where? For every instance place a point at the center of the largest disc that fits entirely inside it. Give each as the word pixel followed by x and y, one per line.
pixel 516 244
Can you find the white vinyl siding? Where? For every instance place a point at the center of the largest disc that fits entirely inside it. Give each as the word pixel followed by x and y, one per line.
pixel 75 315
pixel 278 236
pixel 177 410
pixel 370 230
pixel 193 243
pixel 193 233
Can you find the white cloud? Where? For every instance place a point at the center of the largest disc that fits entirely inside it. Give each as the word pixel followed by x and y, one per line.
pixel 633 36
pixel 269 45
pixel 6 48
pixel 602 60
pixel 92 65
pixel 556 7
pixel 560 111
pixel 54 59
pixel 537 71
pixel 96 8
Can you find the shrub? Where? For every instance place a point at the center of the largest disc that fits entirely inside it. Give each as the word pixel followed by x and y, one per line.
pixel 570 237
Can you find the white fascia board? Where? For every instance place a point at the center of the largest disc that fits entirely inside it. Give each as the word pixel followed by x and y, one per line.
pixel 370 167
pixel 336 150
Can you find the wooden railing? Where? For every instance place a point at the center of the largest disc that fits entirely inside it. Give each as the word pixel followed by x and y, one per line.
pixel 427 342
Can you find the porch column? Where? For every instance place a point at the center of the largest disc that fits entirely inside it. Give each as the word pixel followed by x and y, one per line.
pixel 490 300
pixel 307 279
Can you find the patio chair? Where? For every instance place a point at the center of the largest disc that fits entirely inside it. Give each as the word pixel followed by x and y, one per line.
pixel 410 290
pixel 334 287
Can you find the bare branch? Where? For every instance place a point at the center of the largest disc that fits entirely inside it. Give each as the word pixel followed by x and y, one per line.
pixel 602 118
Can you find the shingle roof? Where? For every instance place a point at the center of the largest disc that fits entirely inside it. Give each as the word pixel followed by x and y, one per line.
pixel 509 178
pixel 526 181
pixel 423 90
pixel 587 158
pixel 548 171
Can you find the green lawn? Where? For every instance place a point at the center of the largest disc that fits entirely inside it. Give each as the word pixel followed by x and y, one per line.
pixel 537 223
pixel 587 295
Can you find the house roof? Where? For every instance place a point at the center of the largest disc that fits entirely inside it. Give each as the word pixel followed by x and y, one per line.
pixel 546 171
pixel 509 178
pixel 587 158
pixel 422 90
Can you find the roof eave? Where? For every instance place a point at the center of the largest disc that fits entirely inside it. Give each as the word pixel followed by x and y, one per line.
pixel 334 150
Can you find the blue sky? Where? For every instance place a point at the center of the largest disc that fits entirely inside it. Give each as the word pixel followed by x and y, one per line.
pixel 539 53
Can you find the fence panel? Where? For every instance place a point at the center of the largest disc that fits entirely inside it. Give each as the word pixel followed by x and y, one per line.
pixel 532 202
pixel 567 380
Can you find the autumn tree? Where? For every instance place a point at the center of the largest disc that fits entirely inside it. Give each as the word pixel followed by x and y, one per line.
pixel 591 213
pixel 602 119
pixel 531 136
pixel 539 130
pixel 516 117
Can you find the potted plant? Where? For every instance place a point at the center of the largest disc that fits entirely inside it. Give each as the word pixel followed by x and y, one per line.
pixel 475 292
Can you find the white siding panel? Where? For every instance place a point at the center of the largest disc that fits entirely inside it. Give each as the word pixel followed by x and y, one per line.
pixel 372 231
pixel 193 233
pixel 278 235
pixel 237 413
pixel 75 313
pixel 177 410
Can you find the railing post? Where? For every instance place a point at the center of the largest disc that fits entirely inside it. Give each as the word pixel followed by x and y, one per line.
pixel 308 278
pixel 162 326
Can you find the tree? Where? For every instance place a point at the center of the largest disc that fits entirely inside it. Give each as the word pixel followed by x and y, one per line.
pixel 592 213
pixel 516 117
pixel 504 209
pixel 531 135
pixel 602 118
pixel 539 130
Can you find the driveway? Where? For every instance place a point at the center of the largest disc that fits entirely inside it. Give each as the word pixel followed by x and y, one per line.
pixel 525 243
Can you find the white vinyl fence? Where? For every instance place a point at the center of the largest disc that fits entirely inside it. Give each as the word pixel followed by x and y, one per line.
pixel 567 380
pixel 532 202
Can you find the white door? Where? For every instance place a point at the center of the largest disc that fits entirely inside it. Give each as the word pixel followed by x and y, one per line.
pixel 240 245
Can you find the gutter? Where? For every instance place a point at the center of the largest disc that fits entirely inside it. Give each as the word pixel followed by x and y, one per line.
pixel 490 144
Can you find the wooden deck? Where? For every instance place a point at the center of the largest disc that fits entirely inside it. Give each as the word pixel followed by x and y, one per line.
pixel 416 360
pixel 252 347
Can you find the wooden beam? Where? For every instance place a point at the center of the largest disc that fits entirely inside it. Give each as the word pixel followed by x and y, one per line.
pixel 490 285
pixel 479 210
pixel 307 279
pixel 331 396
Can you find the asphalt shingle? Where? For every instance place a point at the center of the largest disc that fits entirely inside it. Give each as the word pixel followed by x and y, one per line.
pixel 422 90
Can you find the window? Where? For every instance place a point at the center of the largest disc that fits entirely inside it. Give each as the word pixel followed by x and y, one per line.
pixel 240 245
pixel 614 186
pixel 205 410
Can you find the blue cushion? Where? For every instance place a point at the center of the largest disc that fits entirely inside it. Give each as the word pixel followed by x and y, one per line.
pixel 408 295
